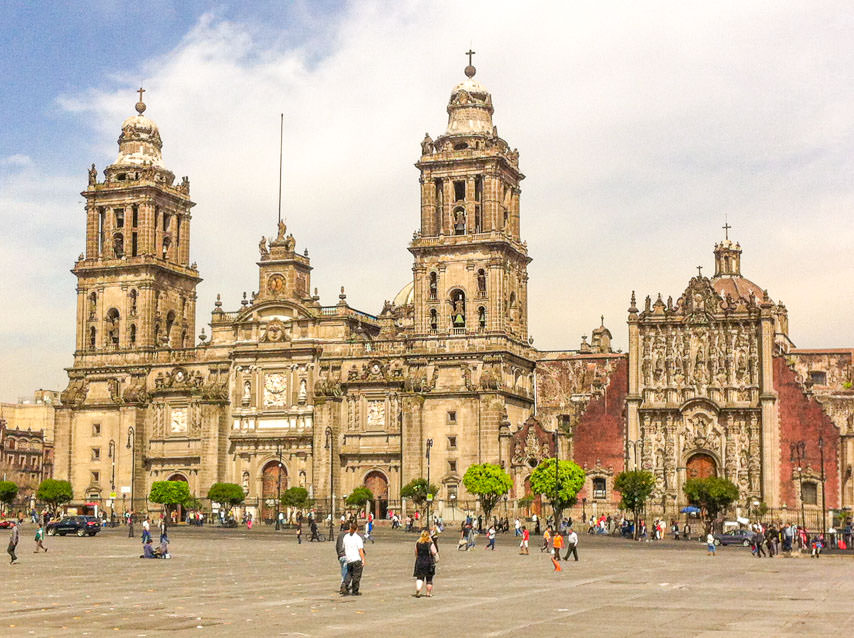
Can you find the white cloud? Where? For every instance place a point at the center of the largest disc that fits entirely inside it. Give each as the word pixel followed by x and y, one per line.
pixel 16 160
pixel 640 127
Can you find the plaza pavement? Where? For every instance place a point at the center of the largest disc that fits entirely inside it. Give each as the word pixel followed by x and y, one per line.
pixel 240 583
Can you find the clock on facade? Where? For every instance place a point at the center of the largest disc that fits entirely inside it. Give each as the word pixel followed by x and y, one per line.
pixel 276 284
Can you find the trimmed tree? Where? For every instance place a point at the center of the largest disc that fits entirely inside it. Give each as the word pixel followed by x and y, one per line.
pixel 712 495
pixel 417 490
pixel 359 497
pixel 8 492
pixel 169 493
pixel 562 488
pixel 634 486
pixel 295 497
pixel 489 482
pixel 226 494
pixel 54 492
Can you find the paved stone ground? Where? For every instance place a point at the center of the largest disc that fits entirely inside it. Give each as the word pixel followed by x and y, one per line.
pixel 227 582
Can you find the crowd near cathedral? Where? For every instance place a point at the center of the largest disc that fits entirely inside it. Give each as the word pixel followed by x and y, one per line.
pixel 281 389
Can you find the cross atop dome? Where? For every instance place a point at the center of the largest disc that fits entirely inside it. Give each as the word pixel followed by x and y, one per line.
pixel 470 70
pixel 140 106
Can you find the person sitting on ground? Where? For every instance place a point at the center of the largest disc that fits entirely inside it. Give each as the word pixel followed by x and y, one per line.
pixel 148 550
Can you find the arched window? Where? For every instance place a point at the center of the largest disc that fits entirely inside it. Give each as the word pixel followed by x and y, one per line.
pixel 458 308
pixel 481 281
pixel 170 321
pixel 93 304
pixel 92 337
pixel 113 327
pixel 599 487
pixel 434 319
pixel 133 300
pixel 166 243
pixel 433 285
pixel 459 221
pixel 132 335
pixel 481 317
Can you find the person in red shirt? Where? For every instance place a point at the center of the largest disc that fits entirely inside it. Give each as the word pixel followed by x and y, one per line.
pixel 523 545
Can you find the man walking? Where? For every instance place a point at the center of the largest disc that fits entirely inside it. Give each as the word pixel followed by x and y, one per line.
pixel 312 526
pixel 146 530
pixel 490 537
pixel 13 543
pixel 354 553
pixel 342 559
pixel 571 545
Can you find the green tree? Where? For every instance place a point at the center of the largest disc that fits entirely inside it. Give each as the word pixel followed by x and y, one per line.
pixel 227 495
pixel 359 497
pixel 489 482
pixel 634 486
pixel 712 495
pixel 169 494
pixel 8 492
pixel 561 489
pixel 54 492
pixel 295 497
pixel 417 490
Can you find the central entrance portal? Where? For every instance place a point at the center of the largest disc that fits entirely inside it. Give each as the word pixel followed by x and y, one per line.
pixel 378 484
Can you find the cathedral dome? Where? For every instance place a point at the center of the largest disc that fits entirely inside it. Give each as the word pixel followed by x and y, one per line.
pixel 470 108
pixel 404 297
pixel 728 279
pixel 140 143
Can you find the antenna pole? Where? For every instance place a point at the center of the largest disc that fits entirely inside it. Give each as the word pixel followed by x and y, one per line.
pixel 281 134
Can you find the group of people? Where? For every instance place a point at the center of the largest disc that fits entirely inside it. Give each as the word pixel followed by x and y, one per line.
pixel 148 549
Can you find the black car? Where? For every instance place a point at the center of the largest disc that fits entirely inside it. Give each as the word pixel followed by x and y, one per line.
pixel 734 537
pixel 80 525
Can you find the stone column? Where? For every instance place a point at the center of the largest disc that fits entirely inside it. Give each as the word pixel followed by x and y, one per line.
pixel 768 402
pixel 428 207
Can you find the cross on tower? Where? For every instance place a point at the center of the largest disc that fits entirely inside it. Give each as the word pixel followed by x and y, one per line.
pixel 470 53
pixel 699 271
pixel 140 91
pixel 726 228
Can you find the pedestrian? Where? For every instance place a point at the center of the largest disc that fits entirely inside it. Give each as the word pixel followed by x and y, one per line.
pixel 547 537
pixel 299 532
pixel 710 544
pixel 13 543
pixel 490 537
pixel 675 528
pixel 425 563
pixel 146 530
pixel 354 554
pixel 517 527
pixel 342 558
pixel 130 525
pixel 536 520
pixel 523 545
pixel 369 528
pixel 557 545
pixel 816 545
pixel 249 521
pixel 39 538
pixel 312 526
pixel 571 545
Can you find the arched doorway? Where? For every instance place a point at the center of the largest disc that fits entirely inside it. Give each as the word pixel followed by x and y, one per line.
pixel 701 465
pixel 378 484
pixel 177 513
pixel 274 481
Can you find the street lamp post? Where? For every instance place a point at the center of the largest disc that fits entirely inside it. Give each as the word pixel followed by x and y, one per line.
pixel 131 445
pixel 111 452
pixel 330 445
pixel 823 502
pixel 429 444
pixel 557 478
pixel 797 455
pixel 278 485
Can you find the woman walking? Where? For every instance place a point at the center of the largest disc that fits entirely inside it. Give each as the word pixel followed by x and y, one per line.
pixel 425 564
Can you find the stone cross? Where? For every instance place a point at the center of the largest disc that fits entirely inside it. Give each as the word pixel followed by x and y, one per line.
pixel 470 53
pixel 140 91
pixel 699 271
pixel 726 228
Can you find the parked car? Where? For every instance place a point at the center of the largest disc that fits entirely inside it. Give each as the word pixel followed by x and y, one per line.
pixel 80 525
pixel 734 537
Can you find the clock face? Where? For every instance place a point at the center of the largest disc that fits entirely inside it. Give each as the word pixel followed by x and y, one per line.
pixel 179 376
pixel 276 284
pixel 375 369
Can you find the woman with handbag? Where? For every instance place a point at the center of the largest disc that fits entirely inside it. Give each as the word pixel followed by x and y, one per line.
pixel 425 564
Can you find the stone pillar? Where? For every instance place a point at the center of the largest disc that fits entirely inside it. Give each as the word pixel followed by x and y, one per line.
pixel 428 207
pixel 633 398
pixel 768 402
pixel 91 232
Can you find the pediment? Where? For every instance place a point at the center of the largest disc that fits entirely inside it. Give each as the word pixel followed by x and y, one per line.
pixel 273 310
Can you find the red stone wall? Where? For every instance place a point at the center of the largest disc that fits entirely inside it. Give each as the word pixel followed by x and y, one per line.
pixel 802 418
pixel 599 436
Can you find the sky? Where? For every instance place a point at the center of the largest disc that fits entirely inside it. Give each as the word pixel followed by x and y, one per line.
pixel 641 128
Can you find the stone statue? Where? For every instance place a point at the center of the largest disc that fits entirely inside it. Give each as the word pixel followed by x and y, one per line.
pixel 93 175
pixel 262 247
pixel 427 145
pixel 282 230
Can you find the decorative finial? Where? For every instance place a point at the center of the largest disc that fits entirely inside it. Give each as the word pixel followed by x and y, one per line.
pixel 244 301
pixel 470 70
pixel 601 321
pixel 699 271
pixel 140 106
pixel 218 302
pixel 343 295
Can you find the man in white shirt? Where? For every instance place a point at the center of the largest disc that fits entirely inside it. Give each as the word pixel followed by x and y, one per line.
pixel 354 554
pixel 571 545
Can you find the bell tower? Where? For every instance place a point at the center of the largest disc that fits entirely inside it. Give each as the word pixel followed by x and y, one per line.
pixel 470 270
pixel 136 289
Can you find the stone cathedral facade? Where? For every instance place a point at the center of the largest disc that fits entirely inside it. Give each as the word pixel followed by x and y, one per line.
pixel 285 391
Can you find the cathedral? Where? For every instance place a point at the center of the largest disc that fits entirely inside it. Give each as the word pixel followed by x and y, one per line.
pixel 284 391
